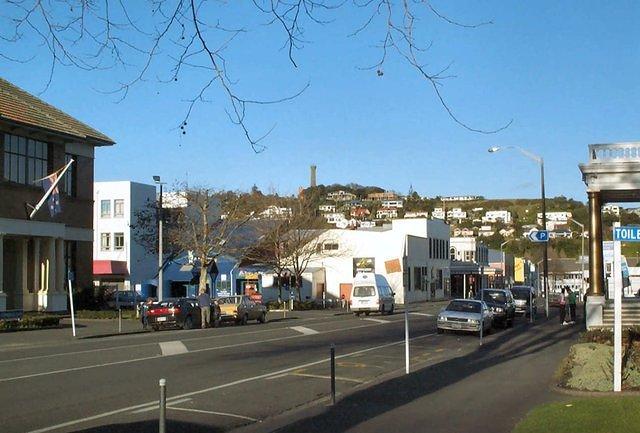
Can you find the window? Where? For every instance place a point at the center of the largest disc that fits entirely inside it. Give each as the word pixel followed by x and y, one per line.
pixel 416 278
pixel 105 208
pixel 118 208
pixel 118 241
pixel 25 160
pixel 69 186
pixel 332 246
pixel 105 241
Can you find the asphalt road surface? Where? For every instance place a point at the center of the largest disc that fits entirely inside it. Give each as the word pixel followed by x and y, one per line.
pixel 259 377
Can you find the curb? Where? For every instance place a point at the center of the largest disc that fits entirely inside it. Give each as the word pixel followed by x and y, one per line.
pixel 579 393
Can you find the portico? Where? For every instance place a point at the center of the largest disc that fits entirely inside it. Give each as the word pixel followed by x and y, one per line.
pixel 612 175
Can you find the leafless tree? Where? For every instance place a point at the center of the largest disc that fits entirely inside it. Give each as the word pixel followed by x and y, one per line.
pixel 161 39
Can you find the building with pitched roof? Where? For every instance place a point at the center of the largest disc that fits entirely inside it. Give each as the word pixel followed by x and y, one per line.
pixel 39 253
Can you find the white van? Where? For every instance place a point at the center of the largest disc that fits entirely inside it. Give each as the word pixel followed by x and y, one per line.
pixel 371 292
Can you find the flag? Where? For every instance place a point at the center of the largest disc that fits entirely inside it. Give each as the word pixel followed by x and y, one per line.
pixel 54 198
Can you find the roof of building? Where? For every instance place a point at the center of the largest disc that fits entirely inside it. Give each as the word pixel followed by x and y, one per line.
pixel 20 107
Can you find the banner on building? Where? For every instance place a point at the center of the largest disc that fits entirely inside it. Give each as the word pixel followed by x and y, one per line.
pixel 363 264
pixel 518 270
pixel 392 266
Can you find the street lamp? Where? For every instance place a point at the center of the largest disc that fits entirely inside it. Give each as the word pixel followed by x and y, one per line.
pixel 159 217
pixel 545 263
pixel 504 270
pixel 581 254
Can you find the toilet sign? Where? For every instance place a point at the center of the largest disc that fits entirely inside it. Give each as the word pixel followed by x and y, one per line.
pixel 626 234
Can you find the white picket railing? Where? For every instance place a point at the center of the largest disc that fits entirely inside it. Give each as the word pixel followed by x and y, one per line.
pixel 614 152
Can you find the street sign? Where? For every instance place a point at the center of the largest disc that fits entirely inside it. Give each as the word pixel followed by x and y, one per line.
pixel 539 236
pixel 626 234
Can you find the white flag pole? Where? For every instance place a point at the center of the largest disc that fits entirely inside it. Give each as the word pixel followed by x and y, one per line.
pixel 73 315
pixel 51 188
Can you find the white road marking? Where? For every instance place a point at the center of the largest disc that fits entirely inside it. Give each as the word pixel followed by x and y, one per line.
pixel 233 415
pixel 371 319
pixel 225 385
pixel 146 358
pixel 169 348
pixel 318 376
pixel 156 407
pixel 305 331
pixel 422 314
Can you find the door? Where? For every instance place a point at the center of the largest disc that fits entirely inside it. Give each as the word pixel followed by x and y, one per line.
pixel 345 291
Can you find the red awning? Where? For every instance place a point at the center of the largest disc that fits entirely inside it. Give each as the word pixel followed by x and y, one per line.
pixel 109 267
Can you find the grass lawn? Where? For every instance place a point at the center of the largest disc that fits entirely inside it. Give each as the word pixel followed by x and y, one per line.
pixel 588 415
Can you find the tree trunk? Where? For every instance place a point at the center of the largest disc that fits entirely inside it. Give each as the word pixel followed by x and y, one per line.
pixel 202 284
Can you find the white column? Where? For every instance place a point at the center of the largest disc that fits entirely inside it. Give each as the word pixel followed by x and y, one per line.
pixel 36 265
pixel 51 265
pixel 60 267
pixel 3 296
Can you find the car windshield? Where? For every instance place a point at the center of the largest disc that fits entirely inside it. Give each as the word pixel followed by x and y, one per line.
pixel 230 300
pixel 464 306
pixel 495 296
pixel 362 291
pixel 521 293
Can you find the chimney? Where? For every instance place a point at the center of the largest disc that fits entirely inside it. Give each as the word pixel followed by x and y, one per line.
pixel 312 182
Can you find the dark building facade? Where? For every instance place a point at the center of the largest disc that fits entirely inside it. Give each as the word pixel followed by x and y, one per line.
pixel 37 255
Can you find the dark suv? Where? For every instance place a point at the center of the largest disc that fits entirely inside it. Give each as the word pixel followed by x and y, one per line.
pixel 501 303
pixel 179 313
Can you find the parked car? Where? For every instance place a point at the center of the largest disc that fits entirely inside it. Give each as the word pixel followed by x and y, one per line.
pixel 465 315
pixel 371 293
pixel 179 313
pixel 501 304
pixel 124 299
pixel 523 295
pixel 241 309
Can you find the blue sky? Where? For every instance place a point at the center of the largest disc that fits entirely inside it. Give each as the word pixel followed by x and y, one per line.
pixel 565 72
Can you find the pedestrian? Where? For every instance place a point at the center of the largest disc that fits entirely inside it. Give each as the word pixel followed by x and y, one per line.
pixel 563 307
pixel 204 302
pixel 572 305
pixel 343 301
pixel 145 312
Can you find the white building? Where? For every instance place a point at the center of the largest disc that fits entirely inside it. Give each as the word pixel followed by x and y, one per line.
pixel 174 199
pixel 386 213
pixel 469 250
pixel 486 231
pixel 461 198
pixel 561 217
pixel 327 208
pixel 341 196
pixel 416 214
pixel 118 260
pixel 494 216
pixel 397 204
pixel 464 232
pixel 456 214
pixel 612 209
pixel 334 217
pixel 411 253
pixel 438 213
pixel 275 212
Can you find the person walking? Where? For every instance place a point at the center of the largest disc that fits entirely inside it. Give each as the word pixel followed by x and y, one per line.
pixel 145 312
pixel 572 305
pixel 204 302
pixel 563 307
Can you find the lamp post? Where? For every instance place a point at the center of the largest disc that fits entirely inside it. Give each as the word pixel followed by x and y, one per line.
pixel 159 216
pixel 504 270
pixel 581 254
pixel 545 263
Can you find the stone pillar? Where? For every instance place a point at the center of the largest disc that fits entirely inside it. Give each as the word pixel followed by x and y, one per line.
pixel 3 296
pixel 596 268
pixel 51 265
pixel 36 265
pixel 23 261
pixel 60 267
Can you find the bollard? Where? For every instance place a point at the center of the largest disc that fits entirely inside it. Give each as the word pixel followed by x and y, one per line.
pixel 333 374
pixel 163 406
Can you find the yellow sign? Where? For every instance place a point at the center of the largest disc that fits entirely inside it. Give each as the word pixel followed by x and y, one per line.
pixel 518 270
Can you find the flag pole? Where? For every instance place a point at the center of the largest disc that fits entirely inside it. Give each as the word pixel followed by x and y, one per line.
pixel 51 188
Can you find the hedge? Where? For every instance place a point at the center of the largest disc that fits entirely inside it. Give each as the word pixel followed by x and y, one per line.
pixel 104 314
pixel 31 322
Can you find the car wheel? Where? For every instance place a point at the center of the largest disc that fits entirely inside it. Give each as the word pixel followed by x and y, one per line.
pixel 440 331
pixel 216 322
pixel 357 314
pixel 262 318
pixel 391 310
pixel 155 328
pixel 366 313
pixel 188 323
pixel 382 310
pixel 244 320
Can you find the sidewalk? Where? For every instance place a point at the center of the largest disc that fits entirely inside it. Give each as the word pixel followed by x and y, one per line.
pixel 489 389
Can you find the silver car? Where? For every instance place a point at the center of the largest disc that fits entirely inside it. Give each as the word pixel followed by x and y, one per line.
pixel 465 315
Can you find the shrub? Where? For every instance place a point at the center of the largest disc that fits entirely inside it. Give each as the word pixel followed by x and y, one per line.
pixel 104 314
pixel 31 322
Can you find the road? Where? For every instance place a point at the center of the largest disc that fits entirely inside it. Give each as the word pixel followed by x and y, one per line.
pixel 225 378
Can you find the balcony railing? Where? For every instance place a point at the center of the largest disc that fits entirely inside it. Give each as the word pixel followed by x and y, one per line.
pixel 614 152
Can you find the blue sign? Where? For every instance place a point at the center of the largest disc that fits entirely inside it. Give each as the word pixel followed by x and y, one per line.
pixel 626 234
pixel 539 236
